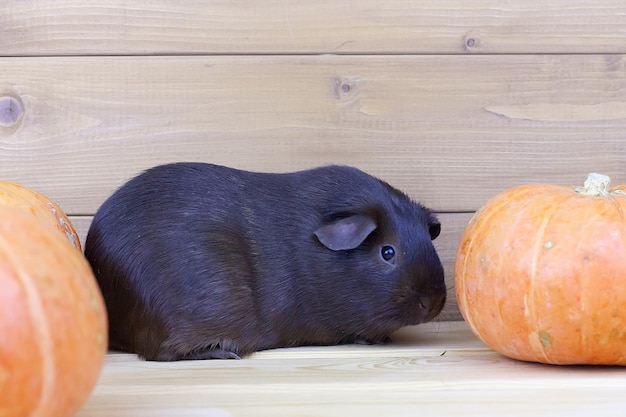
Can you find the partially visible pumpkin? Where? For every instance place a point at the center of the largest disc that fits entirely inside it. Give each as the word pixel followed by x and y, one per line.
pixel 17 195
pixel 540 273
pixel 53 326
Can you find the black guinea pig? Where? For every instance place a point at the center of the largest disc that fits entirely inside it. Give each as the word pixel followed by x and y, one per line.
pixel 199 261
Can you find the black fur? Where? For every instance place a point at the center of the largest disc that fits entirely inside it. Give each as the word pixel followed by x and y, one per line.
pixel 200 261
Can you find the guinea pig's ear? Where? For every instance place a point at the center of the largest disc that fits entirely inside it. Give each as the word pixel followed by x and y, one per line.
pixel 346 233
pixel 434 229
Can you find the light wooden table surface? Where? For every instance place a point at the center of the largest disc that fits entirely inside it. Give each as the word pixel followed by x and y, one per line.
pixel 439 369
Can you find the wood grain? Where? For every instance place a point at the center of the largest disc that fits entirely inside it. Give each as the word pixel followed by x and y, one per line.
pixel 119 27
pixel 436 369
pixel 451 131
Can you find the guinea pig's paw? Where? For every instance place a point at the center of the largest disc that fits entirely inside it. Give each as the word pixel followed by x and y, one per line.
pixel 212 351
pixel 211 354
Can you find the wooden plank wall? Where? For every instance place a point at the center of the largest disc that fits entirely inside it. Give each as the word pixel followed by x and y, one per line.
pixel 451 101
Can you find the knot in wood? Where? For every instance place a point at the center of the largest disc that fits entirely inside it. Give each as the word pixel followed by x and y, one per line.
pixel 11 110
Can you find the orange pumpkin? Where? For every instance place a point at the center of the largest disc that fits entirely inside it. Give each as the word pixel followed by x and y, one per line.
pixel 17 195
pixel 540 273
pixel 53 326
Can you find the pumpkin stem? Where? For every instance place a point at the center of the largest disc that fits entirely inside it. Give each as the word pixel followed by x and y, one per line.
pixel 596 185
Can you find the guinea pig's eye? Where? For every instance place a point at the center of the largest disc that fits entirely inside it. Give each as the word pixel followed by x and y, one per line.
pixel 387 252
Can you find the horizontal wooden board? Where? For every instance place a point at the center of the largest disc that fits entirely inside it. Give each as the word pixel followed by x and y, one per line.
pixel 428 370
pixel 451 131
pixel 446 245
pixel 113 27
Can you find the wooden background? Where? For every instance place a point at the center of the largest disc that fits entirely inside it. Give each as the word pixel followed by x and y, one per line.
pixel 451 101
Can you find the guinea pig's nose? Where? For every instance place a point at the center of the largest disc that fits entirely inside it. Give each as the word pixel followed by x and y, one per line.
pixel 429 307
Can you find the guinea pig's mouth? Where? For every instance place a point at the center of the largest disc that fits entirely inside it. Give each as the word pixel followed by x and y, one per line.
pixel 416 309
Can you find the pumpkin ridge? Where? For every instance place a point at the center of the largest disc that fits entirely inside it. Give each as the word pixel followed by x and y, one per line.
pixel 465 302
pixel 535 342
pixel 585 280
pixel 618 199
pixel 39 322
pixel 476 229
pixel 617 204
